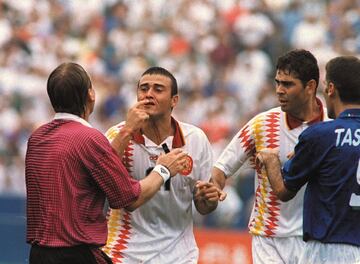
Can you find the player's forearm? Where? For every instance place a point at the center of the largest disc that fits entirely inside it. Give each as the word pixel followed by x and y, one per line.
pixel 273 168
pixel 150 185
pixel 167 165
pixel 121 141
pixel 218 178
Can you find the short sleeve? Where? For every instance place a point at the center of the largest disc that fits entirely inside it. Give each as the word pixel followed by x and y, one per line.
pixel 238 151
pixel 110 174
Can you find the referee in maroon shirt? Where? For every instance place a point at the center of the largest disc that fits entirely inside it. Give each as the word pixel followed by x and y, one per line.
pixel 71 169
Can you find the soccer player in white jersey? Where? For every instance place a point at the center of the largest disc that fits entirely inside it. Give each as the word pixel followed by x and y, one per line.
pixel 276 227
pixel 161 231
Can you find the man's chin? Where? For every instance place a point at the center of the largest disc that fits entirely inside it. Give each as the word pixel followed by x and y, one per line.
pixel 284 108
pixel 153 116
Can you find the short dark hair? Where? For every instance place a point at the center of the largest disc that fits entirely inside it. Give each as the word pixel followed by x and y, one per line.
pixel 344 73
pixel 67 88
pixel 301 64
pixel 164 72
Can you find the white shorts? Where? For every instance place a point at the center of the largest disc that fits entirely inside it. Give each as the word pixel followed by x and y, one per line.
pixel 322 253
pixel 277 250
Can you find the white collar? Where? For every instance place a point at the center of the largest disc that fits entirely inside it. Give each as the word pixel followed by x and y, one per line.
pixel 68 116
pixel 149 143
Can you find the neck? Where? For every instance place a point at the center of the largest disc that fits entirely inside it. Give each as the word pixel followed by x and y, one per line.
pixel 85 116
pixel 340 107
pixel 157 130
pixel 309 112
pixel 88 109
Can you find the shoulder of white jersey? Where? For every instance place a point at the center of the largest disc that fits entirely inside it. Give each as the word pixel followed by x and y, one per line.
pixel 275 110
pixel 112 131
pixel 189 129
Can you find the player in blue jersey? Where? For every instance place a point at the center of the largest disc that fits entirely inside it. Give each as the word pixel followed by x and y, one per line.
pixel 327 158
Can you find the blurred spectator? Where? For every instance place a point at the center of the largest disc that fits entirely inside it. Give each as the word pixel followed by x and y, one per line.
pixel 311 31
pixel 250 72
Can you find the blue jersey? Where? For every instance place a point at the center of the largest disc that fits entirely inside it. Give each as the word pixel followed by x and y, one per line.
pixel 328 158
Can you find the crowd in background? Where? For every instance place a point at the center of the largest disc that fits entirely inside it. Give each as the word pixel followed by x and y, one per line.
pixel 222 53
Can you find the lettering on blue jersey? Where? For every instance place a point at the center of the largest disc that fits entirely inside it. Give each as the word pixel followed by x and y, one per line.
pixel 347 136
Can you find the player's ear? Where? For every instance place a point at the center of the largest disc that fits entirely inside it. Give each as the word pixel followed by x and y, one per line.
pixel 311 86
pixel 330 89
pixel 91 94
pixel 174 100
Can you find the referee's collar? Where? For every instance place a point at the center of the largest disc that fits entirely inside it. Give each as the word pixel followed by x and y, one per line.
pixel 294 122
pixel 178 140
pixel 68 116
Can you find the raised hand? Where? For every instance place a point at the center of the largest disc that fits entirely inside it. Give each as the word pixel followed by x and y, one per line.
pixel 136 116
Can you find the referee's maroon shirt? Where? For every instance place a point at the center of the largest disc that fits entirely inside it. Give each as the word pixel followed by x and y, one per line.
pixel 70 169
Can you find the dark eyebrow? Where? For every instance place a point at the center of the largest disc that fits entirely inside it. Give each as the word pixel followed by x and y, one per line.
pixel 159 85
pixel 155 84
pixel 284 83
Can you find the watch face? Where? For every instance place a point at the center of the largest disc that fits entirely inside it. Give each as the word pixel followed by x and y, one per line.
pixel 188 166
